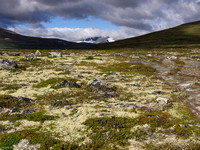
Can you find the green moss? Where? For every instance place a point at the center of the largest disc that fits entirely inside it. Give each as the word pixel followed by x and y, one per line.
pixel 47 82
pixel 37 116
pixel 7 101
pixel 46 141
pixel 127 67
pixel 89 58
pixel 169 146
pixel 65 98
pixel 11 87
pixel 53 82
pixel 106 131
pixel 117 130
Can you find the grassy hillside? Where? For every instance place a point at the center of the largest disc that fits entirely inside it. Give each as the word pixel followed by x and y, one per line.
pixel 12 40
pixel 186 35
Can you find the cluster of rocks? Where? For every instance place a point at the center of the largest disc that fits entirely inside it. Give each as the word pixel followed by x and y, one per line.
pixel 30 57
pixel 102 88
pixel 8 64
pixel 67 83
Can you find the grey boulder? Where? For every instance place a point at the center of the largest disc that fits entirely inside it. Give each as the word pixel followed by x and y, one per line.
pixel 8 64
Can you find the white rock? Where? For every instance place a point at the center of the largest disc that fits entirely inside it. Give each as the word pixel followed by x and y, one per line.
pixel 55 54
pixel 38 52
pixel 162 100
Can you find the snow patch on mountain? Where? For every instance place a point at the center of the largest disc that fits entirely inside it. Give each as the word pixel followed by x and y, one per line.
pixel 96 40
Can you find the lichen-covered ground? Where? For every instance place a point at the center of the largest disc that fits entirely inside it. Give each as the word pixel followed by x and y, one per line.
pixel 156 104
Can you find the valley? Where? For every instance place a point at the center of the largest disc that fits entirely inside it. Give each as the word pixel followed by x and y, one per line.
pixel 100 99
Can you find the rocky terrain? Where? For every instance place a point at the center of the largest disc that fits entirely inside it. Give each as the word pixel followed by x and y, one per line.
pixel 89 99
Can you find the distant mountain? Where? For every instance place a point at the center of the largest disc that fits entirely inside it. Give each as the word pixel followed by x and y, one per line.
pixel 12 40
pixel 96 40
pixel 183 36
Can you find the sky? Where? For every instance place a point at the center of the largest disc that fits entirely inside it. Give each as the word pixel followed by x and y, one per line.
pixel 73 20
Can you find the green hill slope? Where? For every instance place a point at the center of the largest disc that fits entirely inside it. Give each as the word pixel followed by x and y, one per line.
pixel 186 35
pixel 12 40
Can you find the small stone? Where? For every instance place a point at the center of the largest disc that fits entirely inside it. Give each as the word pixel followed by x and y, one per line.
pixel 162 100
pixel 38 52
pixel 55 54
pixel 25 99
pixel 28 111
pixel 157 92
pixel 183 126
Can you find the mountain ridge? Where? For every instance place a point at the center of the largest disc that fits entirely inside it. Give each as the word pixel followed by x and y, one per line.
pixel 185 35
pixel 13 40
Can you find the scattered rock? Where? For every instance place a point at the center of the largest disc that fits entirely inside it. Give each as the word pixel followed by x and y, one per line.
pixel 69 107
pixel 38 52
pixel 25 99
pixel 67 64
pixel 168 62
pixel 8 64
pixel 137 85
pixel 149 55
pixel 28 111
pixel 20 85
pixel 30 57
pixel 134 57
pixel 24 145
pixel 13 110
pixel 157 92
pixel 55 54
pixel 66 83
pixel 183 126
pixel 162 100
pixel 97 54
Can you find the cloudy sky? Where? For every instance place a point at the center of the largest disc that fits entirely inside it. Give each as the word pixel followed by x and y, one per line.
pixel 73 20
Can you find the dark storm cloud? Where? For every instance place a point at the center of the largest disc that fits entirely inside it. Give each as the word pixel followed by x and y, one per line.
pixel 136 14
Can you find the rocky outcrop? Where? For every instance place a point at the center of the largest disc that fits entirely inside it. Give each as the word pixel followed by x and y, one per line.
pixel 30 57
pixel 8 64
pixel 102 88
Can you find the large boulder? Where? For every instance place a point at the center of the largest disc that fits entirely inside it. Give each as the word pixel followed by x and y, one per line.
pixel 8 64
pixel 30 57
pixel 102 88
pixel 55 54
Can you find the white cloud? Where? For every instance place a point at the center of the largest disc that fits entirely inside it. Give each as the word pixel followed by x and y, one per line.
pixel 76 34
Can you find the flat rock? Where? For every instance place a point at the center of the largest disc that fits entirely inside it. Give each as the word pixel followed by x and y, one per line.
pixel 8 64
